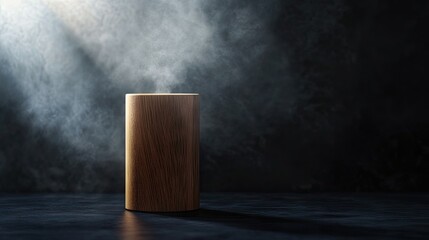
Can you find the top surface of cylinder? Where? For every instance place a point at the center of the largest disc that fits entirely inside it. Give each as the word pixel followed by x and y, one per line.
pixel 162 94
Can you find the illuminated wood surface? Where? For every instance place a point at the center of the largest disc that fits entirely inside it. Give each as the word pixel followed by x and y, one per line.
pixel 162 152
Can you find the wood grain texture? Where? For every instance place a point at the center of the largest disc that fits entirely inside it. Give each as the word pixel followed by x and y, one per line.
pixel 162 152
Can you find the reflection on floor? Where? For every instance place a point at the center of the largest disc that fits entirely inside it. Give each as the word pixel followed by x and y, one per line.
pixel 222 216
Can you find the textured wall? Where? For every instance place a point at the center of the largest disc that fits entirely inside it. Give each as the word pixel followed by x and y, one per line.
pixel 295 95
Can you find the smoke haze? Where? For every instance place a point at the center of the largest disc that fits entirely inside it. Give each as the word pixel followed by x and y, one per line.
pixel 73 61
pixel 283 103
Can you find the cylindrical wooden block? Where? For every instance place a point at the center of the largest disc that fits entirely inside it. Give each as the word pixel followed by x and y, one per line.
pixel 162 152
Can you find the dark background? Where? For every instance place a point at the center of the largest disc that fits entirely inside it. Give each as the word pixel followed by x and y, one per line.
pixel 297 96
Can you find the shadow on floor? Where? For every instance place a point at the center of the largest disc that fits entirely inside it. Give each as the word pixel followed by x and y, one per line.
pixel 258 222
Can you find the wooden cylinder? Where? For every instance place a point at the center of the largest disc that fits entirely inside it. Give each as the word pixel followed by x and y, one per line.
pixel 162 152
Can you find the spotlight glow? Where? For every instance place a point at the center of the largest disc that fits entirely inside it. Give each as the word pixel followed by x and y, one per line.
pixel 60 51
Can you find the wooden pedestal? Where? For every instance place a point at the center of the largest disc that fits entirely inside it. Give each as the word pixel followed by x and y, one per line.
pixel 162 152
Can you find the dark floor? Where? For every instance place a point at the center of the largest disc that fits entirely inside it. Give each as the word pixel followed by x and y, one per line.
pixel 222 216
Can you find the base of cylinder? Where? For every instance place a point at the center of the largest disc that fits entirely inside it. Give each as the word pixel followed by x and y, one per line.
pixel 170 211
